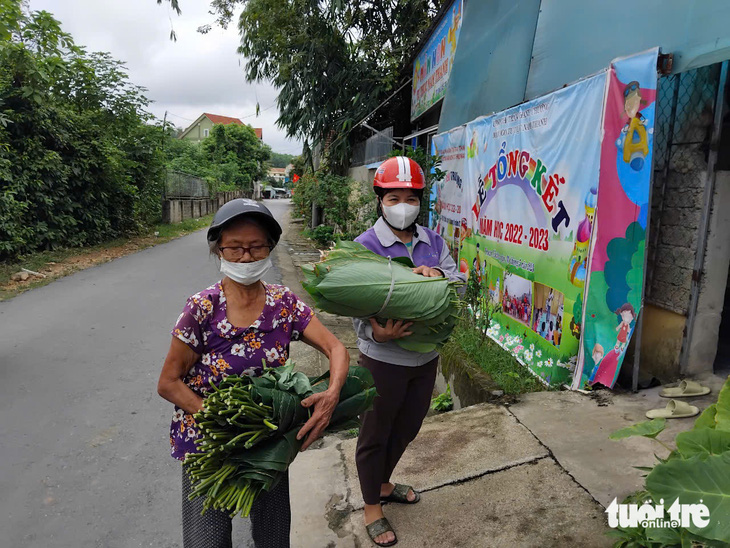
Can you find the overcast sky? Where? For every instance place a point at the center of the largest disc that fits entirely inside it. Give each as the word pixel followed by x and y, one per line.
pixel 198 73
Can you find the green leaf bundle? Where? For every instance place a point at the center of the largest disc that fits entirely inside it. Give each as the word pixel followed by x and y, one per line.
pixel 249 427
pixel 353 281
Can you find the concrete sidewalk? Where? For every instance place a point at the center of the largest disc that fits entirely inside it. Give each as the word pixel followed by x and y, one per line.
pixel 537 473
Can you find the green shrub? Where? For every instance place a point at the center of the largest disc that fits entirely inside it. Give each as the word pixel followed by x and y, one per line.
pixel 79 163
pixel 443 401
pixel 343 217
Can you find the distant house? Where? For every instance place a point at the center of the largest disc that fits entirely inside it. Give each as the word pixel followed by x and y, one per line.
pixel 277 173
pixel 200 128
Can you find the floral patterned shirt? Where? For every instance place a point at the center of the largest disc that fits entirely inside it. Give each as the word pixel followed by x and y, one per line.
pixel 225 349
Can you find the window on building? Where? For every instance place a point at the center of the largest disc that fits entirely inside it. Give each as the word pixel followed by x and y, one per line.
pixel 206 132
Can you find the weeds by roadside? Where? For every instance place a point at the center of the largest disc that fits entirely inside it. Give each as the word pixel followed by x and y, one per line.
pixel 468 344
pixel 62 262
pixel 443 401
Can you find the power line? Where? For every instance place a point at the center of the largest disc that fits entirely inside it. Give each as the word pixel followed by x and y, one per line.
pixel 257 113
pixel 178 116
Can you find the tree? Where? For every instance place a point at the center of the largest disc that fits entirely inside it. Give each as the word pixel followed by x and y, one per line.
pixel 79 163
pixel 299 166
pixel 280 160
pixel 332 61
pixel 241 156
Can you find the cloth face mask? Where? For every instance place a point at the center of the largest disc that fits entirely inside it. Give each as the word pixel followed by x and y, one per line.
pixel 246 273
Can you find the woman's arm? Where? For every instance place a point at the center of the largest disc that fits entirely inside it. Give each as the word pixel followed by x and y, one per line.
pixel 324 403
pixel 180 358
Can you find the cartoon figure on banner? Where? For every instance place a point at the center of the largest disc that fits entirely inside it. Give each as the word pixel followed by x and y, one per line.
pixel 473 149
pixel 627 315
pixel 597 355
pixel 437 206
pixel 455 24
pixel 634 141
pixel 579 257
pixel 494 291
pixel 605 372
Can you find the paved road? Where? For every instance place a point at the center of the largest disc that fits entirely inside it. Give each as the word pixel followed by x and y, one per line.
pixel 84 452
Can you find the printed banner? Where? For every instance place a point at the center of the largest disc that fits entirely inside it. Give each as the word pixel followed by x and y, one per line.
pixel 531 184
pixel 432 67
pixel 614 294
pixel 447 196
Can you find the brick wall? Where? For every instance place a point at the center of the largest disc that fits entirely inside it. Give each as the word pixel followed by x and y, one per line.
pixel 673 238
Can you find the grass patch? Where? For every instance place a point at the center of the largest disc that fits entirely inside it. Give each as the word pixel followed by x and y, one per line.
pixel 62 262
pixel 168 232
pixel 467 345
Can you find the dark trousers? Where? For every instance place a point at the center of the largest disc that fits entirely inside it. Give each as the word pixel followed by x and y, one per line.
pixel 270 520
pixel 404 395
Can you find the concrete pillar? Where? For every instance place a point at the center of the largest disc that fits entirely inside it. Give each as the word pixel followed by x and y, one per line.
pixel 166 212
pixel 196 209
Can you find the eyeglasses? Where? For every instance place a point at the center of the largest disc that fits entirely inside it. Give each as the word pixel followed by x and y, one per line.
pixel 257 252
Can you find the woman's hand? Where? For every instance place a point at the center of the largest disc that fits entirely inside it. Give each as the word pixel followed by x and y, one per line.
pixel 324 404
pixel 392 330
pixel 428 272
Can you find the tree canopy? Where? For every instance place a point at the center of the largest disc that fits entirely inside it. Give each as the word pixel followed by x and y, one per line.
pixel 79 162
pixel 280 160
pixel 332 61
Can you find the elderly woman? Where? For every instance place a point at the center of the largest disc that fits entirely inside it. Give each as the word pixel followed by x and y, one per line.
pixel 404 379
pixel 230 328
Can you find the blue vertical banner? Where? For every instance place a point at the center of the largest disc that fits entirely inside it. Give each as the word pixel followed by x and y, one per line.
pixel 614 292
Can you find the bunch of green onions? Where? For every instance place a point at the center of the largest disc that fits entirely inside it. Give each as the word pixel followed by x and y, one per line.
pixel 249 428
pixel 230 421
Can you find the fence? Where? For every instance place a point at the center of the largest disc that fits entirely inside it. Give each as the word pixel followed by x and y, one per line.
pixel 183 185
pixel 684 124
pixel 373 149
pixel 177 210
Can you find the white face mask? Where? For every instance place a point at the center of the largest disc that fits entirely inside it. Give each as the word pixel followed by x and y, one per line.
pixel 401 215
pixel 246 273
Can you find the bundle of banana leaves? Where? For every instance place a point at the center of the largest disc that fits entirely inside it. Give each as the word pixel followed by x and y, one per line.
pixel 353 281
pixel 248 431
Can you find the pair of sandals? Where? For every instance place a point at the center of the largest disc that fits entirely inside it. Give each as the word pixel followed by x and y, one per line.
pixel 382 525
pixel 677 409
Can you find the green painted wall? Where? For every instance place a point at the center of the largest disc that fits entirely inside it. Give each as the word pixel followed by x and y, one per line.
pixel 197 133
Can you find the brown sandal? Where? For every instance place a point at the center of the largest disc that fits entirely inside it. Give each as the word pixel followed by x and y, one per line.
pixel 377 528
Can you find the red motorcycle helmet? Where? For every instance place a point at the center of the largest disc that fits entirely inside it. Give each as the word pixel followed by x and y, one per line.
pixel 399 172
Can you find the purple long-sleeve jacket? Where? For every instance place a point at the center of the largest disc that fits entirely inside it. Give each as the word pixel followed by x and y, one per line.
pixel 427 248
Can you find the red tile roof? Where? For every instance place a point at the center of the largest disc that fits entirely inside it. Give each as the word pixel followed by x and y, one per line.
pixel 217 119
pixel 225 120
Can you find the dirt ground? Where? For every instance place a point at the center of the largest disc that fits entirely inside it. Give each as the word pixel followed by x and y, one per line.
pixel 84 259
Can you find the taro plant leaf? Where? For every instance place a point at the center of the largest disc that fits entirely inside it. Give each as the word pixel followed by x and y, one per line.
pixel 703 442
pixel 648 429
pixel 692 480
pixel 722 417
pixel 707 418
pixel 351 407
pixel 664 536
